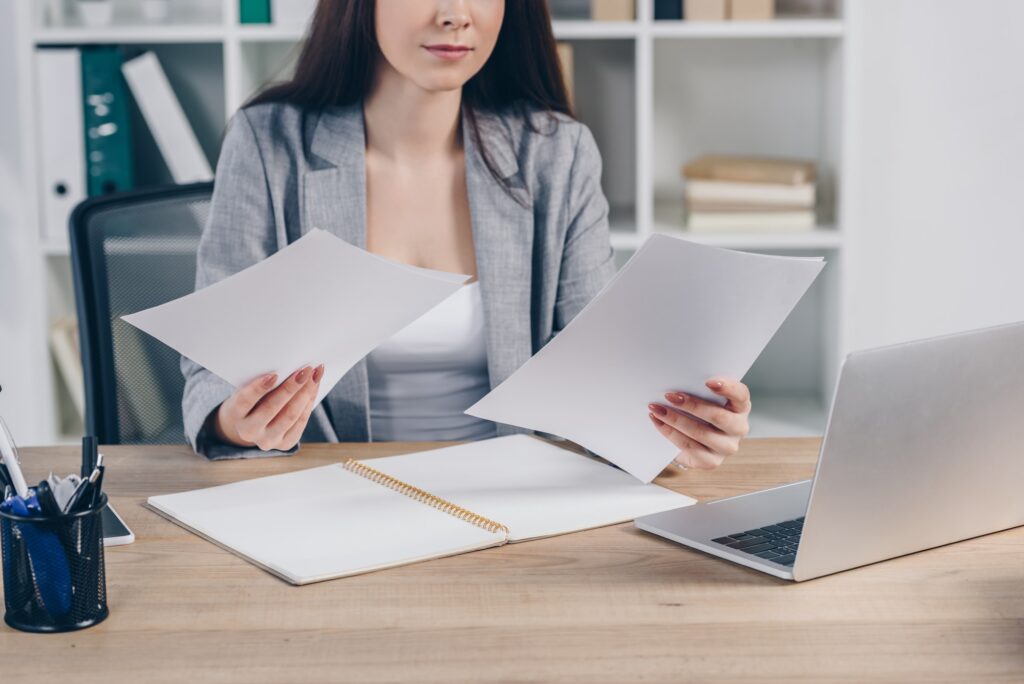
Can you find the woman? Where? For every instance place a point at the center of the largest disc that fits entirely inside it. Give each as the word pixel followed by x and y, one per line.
pixel 436 133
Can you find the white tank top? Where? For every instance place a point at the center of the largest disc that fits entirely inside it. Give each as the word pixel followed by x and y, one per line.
pixel 424 376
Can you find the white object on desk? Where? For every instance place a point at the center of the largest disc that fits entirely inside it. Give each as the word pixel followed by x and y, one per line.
pixel 537 489
pixel 676 315
pixel 329 522
pixel 234 327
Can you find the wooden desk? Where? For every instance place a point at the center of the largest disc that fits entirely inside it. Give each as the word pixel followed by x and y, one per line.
pixel 608 605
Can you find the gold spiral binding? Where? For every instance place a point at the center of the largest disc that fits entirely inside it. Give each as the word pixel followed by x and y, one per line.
pixel 374 475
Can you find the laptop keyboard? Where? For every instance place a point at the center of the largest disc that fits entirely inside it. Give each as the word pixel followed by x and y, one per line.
pixel 776 543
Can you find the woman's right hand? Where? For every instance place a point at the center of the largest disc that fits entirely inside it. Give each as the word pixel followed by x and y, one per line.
pixel 269 417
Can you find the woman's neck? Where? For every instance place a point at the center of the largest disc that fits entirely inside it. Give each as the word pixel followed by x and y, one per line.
pixel 406 124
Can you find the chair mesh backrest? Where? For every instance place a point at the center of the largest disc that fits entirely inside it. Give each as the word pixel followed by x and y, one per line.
pixel 140 252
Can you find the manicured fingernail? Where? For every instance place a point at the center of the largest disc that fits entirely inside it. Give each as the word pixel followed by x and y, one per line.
pixel 676 397
pixel 657 423
pixel 268 379
pixel 714 384
pixel 658 409
pixel 318 373
pixel 301 376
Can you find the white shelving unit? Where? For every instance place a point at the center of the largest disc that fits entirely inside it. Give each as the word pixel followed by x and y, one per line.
pixel 655 94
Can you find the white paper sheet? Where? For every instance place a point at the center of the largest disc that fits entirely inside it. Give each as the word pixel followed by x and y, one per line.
pixel 677 314
pixel 319 300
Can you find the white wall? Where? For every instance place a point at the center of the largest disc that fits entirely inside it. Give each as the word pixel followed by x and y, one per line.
pixel 21 328
pixel 938 219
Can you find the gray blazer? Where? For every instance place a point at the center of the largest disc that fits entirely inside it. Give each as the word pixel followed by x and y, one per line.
pixel 283 170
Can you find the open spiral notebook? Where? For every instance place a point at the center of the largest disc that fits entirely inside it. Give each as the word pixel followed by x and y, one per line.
pixel 355 517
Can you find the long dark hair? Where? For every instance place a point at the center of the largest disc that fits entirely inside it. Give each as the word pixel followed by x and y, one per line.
pixel 335 66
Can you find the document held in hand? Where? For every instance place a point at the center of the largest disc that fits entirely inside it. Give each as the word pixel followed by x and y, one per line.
pixel 676 315
pixel 318 300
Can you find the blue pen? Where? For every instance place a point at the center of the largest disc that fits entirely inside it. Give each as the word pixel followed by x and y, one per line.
pixel 45 556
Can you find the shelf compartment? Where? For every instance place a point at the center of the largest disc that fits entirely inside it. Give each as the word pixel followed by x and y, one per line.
pixel 196 75
pixel 604 98
pixel 758 98
pixel 188 22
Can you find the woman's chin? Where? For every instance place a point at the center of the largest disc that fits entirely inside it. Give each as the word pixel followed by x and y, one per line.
pixel 442 84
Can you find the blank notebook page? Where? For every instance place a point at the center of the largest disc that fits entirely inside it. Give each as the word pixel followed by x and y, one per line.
pixel 535 488
pixel 322 523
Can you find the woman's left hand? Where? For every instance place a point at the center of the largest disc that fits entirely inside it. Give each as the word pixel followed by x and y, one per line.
pixel 706 442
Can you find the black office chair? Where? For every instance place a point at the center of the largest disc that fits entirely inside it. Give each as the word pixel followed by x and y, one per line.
pixel 131 251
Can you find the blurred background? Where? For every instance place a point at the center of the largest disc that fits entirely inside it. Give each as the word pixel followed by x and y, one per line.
pixel 884 135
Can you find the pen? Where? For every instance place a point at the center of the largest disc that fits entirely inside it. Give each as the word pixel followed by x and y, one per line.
pixel 72 505
pixel 47 501
pixel 88 455
pixel 10 458
pixel 97 489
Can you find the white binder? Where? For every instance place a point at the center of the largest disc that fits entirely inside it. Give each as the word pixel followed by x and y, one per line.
pixel 61 140
pixel 166 119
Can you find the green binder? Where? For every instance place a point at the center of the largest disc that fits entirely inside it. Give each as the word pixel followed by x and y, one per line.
pixel 254 11
pixel 108 139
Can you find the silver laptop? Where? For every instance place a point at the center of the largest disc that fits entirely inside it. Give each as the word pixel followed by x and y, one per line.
pixel 924 446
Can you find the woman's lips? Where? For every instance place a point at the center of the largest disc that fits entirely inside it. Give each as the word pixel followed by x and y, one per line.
pixel 449 53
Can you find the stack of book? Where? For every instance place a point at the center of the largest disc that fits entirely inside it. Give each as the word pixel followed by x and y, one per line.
pixel 715 10
pixel 612 10
pixel 725 194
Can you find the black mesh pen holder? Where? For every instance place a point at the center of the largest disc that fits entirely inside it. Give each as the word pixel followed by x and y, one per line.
pixel 54 578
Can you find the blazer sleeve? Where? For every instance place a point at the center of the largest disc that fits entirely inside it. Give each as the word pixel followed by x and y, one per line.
pixel 588 261
pixel 239 232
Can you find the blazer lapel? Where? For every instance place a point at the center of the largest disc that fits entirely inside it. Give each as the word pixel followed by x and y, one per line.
pixel 334 199
pixel 503 242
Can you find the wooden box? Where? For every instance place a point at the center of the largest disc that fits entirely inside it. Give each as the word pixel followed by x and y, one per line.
pixel 751 10
pixel 705 10
pixel 612 10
